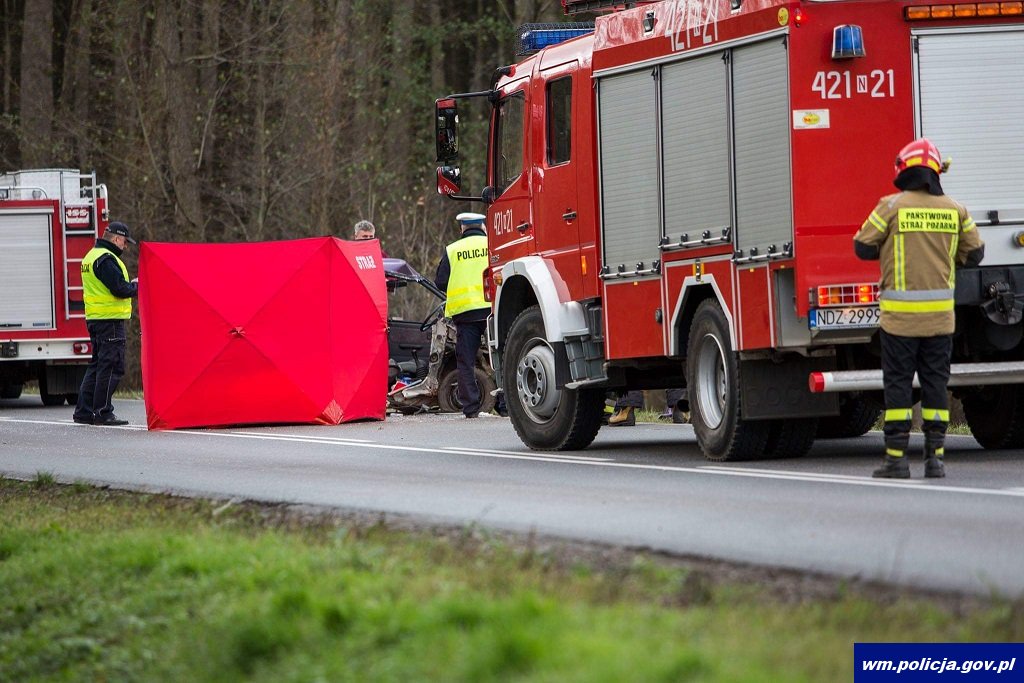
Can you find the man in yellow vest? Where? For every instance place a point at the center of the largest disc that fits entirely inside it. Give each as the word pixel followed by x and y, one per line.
pixel 460 276
pixel 108 304
pixel 920 235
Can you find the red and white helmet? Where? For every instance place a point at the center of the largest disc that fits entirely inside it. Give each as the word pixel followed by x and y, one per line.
pixel 920 152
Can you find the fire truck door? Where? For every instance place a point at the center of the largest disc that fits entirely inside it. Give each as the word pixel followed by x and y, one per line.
pixel 510 220
pixel 558 205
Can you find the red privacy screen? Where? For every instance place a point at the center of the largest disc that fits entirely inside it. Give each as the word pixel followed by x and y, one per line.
pixel 260 333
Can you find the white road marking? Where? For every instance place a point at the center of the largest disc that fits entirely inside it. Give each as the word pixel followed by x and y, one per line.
pixel 701 469
pixel 796 473
pixel 554 454
pixel 314 436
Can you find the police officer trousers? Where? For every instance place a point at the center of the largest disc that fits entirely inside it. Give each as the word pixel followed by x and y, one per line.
pixel 467 345
pixel 105 370
pixel 929 357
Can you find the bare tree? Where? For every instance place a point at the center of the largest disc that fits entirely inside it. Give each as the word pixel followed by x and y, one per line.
pixel 36 91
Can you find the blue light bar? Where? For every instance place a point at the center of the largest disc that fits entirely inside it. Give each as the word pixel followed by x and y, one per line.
pixel 847 42
pixel 536 37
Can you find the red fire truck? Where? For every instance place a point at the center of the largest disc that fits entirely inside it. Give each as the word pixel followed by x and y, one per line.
pixel 49 219
pixel 672 194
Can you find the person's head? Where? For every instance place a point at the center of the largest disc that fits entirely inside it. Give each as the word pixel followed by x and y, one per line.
pixel 918 166
pixel 117 234
pixel 364 230
pixel 469 220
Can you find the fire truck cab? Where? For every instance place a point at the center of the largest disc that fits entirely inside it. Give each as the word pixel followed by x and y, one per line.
pixel 49 219
pixel 672 195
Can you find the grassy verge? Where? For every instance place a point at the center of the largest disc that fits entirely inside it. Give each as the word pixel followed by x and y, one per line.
pixel 102 585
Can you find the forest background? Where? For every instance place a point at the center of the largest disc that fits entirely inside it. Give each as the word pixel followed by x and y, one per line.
pixel 251 120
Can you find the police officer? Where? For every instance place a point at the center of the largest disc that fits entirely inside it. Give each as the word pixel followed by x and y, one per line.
pixel 920 235
pixel 460 275
pixel 108 304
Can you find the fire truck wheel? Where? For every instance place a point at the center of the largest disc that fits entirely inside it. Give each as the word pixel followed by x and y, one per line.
pixel 44 393
pixel 996 416
pixel 11 390
pixel 791 438
pixel 448 391
pixel 857 415
pixel 545 417
pixel 712 374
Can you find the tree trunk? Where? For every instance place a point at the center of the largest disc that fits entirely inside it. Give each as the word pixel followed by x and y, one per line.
pixel 37 84
pixel 73 113
pixel 178 94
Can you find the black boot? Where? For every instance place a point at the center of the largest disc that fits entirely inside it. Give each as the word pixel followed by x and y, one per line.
pixel 934 450
pixel 893 467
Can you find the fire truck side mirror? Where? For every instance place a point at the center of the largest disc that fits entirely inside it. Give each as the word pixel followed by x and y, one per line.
pixel 446 121
pixel 449 180
pixel 489 194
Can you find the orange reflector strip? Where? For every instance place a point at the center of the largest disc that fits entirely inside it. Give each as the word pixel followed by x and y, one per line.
pixel 969 10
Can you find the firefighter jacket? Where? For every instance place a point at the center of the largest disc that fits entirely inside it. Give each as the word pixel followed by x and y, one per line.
pixel 919 238
pixel 101 303
pixel 467 259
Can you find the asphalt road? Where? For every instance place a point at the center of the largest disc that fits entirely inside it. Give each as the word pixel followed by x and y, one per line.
pixel 646 486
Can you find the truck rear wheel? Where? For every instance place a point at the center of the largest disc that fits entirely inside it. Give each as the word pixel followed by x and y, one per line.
pixel 996 416
pixel 857 415
pixel 712 373
pixel 11 390
pixel 791 438
pixel 545 417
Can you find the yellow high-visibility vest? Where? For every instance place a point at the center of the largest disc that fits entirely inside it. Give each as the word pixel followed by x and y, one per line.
pixel 468 259
pixel 100 304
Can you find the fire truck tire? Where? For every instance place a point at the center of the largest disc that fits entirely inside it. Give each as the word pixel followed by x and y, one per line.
pixel 791 438
pixel 857 415
pixel 712 371
pixel 544 417
pixel 11 390
pixel 44 393
pixel 448 391
pixel 996 416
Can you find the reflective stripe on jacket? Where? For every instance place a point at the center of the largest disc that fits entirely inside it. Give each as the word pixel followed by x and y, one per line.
pixel 100 304
pixel 468 259
pixel 921 237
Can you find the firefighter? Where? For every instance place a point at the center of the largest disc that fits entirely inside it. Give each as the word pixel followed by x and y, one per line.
pixel 460 276
pixel 108 304
pixel 920 235
pixel 627 404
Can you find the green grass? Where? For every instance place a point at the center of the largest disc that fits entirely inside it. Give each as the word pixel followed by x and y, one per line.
pixel 109 586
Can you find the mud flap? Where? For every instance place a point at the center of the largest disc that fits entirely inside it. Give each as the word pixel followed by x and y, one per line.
pixel 778 389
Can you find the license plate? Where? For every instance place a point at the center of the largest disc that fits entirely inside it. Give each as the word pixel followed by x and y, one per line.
pixel 843 318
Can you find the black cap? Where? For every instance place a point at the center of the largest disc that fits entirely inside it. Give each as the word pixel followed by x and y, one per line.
pixel 119 228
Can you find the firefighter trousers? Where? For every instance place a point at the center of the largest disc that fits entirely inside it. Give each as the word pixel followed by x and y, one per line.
pixel 929 357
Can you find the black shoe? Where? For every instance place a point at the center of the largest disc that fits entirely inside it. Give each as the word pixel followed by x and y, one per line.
pixel 110 421
pixel 472 415
pixel 893 468
pixel 934 469
pixel 84 419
